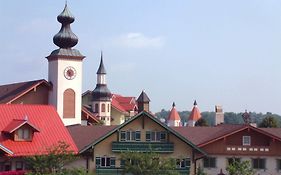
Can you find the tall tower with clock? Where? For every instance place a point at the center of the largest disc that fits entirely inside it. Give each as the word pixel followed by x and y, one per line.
pixel 65 72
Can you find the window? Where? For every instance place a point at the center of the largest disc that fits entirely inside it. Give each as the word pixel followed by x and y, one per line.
pixel 130 136
pixel 183 163
pixel 279 164
pixel 105 162
pixel 155 136
pixel 123 136
pixel 96 107
pixel 69 103
pixel 103 107
pixel 209 162
pixel 108 108
pixel 246 140
pixel 19 165
pixel 258 163
pixel 24 134
pixel 232 160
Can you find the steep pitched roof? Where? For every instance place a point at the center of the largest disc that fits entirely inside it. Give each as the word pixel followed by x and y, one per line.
pixel 45 118
pixel 174 115
pixel 11 92
pixel 83 135
pixel 89 115
pixel 143 97
pixel 207 135
pixel 101 69
pixel 195 113
pixel 123 104
pixel 16 123
pixel 97 140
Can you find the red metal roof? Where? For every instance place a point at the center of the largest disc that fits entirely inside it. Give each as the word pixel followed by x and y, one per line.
pixel 45 118
pixel 123 104
pixel 15 124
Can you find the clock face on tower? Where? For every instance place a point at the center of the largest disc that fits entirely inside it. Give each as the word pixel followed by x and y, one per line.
pixel 69 73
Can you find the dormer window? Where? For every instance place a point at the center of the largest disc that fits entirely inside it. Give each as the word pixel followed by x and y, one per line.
pixel 21 130
pixel 23 134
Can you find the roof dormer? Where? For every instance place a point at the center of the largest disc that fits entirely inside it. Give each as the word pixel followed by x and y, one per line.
pixel 21 130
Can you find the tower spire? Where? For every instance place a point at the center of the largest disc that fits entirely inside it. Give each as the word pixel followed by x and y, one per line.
pixel 101 69
pixel 65 38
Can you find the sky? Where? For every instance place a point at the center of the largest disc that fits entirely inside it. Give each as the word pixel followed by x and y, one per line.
pixel 215 52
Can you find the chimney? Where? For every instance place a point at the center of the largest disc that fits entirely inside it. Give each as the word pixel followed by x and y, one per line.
pixel 219 118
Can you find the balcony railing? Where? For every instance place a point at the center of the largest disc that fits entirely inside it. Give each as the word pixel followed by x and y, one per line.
pixel 143 147
pixel 119 171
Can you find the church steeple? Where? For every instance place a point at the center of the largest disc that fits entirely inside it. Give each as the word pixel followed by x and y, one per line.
pixel 65 38
pixel 101 96
pixel 65 72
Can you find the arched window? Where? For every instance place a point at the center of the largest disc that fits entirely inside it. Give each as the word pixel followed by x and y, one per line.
pixel 69 103
pixel 108 108
pixel 103 107
pixel 96 107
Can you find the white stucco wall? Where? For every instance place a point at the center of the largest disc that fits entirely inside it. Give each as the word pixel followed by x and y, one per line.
pixel 222 163
pixel 60 84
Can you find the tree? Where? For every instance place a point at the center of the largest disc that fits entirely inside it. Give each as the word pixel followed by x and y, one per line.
pixel 55 159
pixel 268 122
pixel 148 163
pixel 240 168
pixel 201 122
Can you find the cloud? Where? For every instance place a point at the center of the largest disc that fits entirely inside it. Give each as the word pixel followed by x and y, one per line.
pixel 139 41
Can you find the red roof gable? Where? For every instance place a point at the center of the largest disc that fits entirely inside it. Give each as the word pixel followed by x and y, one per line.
pixel 45 118
pixel 123 104
pixel 174 115
pixel 89 115
pixel 16 124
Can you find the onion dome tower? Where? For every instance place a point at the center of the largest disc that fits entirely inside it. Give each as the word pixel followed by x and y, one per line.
pixel 143 102
pixel 101 96
pixel 174 117
pixel 65 72
pixel 194 115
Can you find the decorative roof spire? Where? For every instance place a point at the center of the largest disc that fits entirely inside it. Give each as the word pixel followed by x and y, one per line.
pixel 173 105
pixel 101 69
pixel 195 103
pixel 65 38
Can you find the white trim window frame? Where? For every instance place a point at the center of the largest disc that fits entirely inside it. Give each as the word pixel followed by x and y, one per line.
pixel 246 141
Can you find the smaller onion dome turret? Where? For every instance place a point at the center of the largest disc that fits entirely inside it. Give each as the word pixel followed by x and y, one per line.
pixel 65 38
pixel 101 93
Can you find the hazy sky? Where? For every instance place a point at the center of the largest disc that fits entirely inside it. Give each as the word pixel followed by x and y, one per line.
pixel 214 51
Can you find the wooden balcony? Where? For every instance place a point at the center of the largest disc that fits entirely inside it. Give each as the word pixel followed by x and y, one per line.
pixel 157 147
pixel 119 171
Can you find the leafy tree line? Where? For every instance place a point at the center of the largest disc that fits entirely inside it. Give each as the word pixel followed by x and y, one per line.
pixel 229 117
